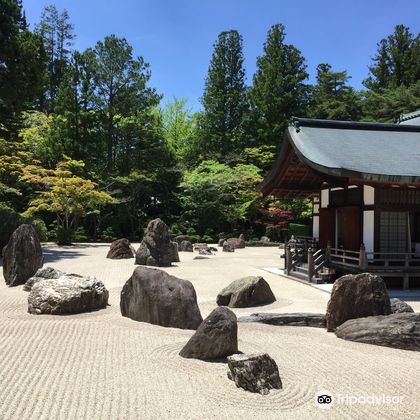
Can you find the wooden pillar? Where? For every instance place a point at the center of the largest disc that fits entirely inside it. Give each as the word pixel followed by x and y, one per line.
pixel 310 264
pixel 362 257
pixel 328 251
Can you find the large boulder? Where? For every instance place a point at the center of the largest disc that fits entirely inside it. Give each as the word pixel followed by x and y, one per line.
pixel 42 274
pixel 69 294
pixel 237 242
pixel 399 306
pixel 121 249
pixel 246 292
pixel 156 248
pixel 185 246
pixel 400 330
pixel 154 296
pixel 256 372
pixel 357 296
pixel 22 256
pixel 215 338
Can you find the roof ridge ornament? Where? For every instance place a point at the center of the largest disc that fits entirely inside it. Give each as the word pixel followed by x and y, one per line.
pixel 296 124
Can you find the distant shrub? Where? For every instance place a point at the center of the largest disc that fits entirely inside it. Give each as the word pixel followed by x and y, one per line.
pixel 64 236
pixel 297 229
pixel 195 238
pixel 80 235
pixel 41 229
pixel 9 221
pixel 208 239
pixel 108 235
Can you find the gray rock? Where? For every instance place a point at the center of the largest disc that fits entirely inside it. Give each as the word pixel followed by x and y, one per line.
pixel 42 274
pixel 246 292
pixel 400 330
pixel 181 238
pixel 156 248
pixel 299 319
pixel 213 249
pixel 256 372
pixel 205 251
pixel 199 245
pixel 237 242
pixel 227 247
pixel 215 338
pixel 22 256
pixel 264 239
pixel 221 242
pixel 357 296
pixel 68 294
pixel 121 249
pixel 186 246
pixel 173 250
pixel 154 296
pixel 399 306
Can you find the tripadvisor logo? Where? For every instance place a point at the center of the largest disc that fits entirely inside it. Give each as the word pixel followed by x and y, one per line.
pixel 324 399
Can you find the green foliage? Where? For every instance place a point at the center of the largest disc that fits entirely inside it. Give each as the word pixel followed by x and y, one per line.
pixel 297 229
pixel 332 98
pixel 41 229
pixel 108 235
pixel 215 195
pixel 224 100
pixel 9 221
pixel 396 62
pixel 278 91
pixel 80 235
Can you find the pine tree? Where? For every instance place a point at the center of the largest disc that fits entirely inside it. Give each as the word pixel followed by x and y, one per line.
pixel 397 61
pixel 57 33
pixel 332 98
pixel 224 98
pixel 22 64
pixel 278 90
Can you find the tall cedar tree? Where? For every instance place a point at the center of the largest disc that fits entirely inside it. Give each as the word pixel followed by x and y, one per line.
pixel 397 61
pixel 224 99
pixel 22 66
pixel 57 33
pixel 332 98
pixel 278 91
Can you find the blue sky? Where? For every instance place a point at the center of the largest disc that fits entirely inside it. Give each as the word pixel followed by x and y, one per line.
pixel 176 37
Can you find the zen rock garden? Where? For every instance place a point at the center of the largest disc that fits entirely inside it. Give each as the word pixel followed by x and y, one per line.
pixel 359 308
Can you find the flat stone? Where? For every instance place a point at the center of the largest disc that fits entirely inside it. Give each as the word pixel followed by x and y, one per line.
pixel 399 330
pixel 68 294
pixel 298 319
pixel 215 338
pixel 256 372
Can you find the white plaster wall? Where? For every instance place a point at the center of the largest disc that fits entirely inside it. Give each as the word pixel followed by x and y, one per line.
pixel 315 227
pixel 368 229
pixel 325 198
pixel 368 195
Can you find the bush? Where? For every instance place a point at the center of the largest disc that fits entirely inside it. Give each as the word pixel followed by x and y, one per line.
pixel 297 229
pixel 108 235
pixel 64 236
pixel 80 235
pixel 195 238
pixel 9 221
pixel 208 239
pixel 41 229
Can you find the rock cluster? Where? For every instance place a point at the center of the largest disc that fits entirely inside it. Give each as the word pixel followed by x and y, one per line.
pixel 121 249
pixel 357 296
pixel 156 248
pixel 256 372
pixel 154 296
pixel 246 292
pixel 68 294
pixel 216 337
pixel 22 256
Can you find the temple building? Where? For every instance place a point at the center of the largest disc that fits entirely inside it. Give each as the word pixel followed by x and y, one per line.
pixel 364 180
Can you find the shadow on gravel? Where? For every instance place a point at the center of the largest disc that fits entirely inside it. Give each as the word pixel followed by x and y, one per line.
pixel 53 255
